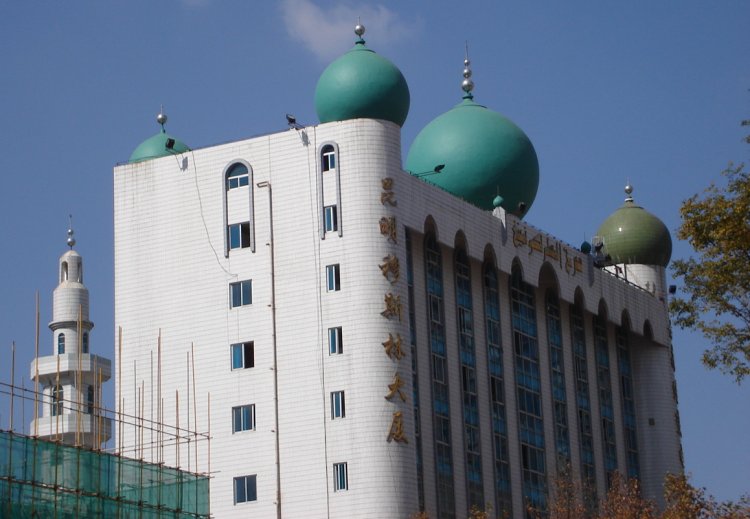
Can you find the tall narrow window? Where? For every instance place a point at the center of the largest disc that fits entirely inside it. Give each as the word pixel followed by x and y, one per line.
pixel 330 218
pixel 628 402
pixel 85 342
pixel 559 400
pixel 446 501
pixel 239 235
pixel 583 399
pixel 497 391
pixel 245 489
pixel 414 370
pixel 338 409
pixel 61 344
pixel 465 317
pixel 340 477
pixel 90 400
pixel 243 418
pixel 335 341
pixel 333 278
pixel 606 407
pixel 328 158
pixel 237 176
pixel 241 293
pixel 528 388
pixel 58 398
pixel 243 355
pixel 64 272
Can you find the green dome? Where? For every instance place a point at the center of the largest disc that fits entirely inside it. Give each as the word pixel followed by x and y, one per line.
pixel 362 84
pixel 156 146
pixel 485 156
pixel 632 235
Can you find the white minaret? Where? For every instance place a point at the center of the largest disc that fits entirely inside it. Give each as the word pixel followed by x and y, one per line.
pixel 70 379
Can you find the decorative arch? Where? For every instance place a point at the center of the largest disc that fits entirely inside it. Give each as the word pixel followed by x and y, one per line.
pixel 648 331
pixel 548 278
pixel 328 163
pixel 431 227
pixel 237 174
pixel 625 322
pixel 490 256
pixel 602 310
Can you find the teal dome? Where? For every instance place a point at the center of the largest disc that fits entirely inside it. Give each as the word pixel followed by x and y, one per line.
pixel 362 84
pixel 487 158
pixel 632 235
pixel 156 146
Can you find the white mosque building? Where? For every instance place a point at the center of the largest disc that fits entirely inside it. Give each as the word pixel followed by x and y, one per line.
pixel 377 336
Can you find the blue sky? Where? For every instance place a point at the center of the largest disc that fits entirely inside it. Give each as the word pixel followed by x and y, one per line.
pixel 650 92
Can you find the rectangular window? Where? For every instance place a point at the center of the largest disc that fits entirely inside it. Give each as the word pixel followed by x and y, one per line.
pixel 244 489
pixel 241 293
pixel 239 235
pixel 333 278
pixel 330 216
pixel 340 477
pixel 335 343
pixel 243 418
pixel 337 405
pixel 243 355
pixel 329 160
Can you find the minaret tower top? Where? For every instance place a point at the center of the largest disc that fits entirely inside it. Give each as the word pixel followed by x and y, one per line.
pixel 70 379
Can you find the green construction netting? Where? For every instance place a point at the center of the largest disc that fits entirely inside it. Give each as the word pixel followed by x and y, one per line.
pixel 49 480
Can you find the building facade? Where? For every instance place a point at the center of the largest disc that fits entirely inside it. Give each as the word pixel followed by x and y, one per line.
pixel 370 342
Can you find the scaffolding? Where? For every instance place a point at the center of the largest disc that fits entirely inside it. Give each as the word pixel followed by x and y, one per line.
pixel 40 478
pixel 45 477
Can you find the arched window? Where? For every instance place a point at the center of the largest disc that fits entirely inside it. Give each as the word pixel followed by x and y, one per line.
pixel 57 401
pixel 446 501
pixel 497 391
pixel 61 344
pixel 606 405
pixel 64 271
pixel 557 375
pixel 465 311
pixel 80 271
pixel 85 343
pixel 328 158
pixel 237 176
pixel 528 390
pixel 90 400
pixel 583 400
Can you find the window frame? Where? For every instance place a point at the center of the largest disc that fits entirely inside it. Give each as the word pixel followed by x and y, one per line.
pixel 245 481
pixel 340 477
pixel 85 342
pixel 243 348
pixel 335 341
pixel 57 401
pixel 240 233
pixel 240 179
pixel 333 277
pixel 328 159
pixel 61 344
pixel 338 405
pixel 241 295
pixel 330 219
pixel 243 418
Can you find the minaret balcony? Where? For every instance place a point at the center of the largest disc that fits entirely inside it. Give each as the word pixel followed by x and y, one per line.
pixel 91 366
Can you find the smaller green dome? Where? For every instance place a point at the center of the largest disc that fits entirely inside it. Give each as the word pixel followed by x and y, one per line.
pixel 157 146
pixel 632 235
pixel 362 84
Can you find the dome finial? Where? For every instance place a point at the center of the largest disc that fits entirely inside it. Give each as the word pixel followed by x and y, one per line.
pixel 71 241
pixel 161 118
pixel 628 191
pixel 467 85
pixel 359 30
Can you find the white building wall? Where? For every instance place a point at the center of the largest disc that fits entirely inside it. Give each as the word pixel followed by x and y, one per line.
pixel 172 278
